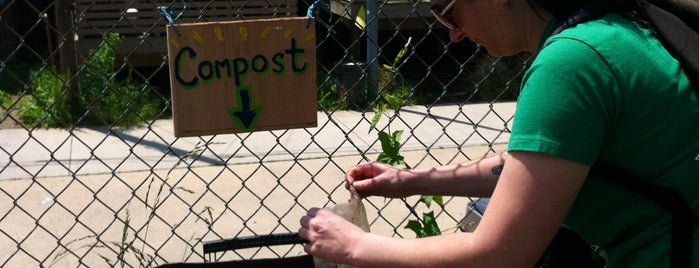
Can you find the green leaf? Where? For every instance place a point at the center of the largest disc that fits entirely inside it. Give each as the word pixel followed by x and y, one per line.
pixel 388 67
pixel 439 200
pixel 431 228
pixel 402 52
pixel 428 226
pixel 427 199
pixel 393 101
pixel 387 145
pixel 396 136
pixel 393 160
pixel 378 112
pixel 390 144
pixel 416 227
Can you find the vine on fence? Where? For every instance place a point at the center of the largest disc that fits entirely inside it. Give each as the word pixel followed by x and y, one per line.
pixel 390 144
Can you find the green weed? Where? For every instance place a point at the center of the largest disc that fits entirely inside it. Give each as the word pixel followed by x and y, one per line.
pixel 394 89
pixel 104 98
pixel 48 105
pixel 328 97
pixel 114 101
pixel 5 100
pixel 126 246
pixel 390 154
pixel 390 149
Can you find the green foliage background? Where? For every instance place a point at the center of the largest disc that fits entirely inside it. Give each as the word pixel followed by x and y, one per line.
pixel 104 98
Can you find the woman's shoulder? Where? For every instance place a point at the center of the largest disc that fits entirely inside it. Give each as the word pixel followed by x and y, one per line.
pixel 616 41
pixel 612 36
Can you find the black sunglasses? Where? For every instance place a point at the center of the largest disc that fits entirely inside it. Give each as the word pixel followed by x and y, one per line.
pixel 443 14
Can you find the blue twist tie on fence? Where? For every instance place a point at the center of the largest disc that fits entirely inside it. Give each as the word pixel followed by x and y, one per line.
pixel 313 10
pixel 167 14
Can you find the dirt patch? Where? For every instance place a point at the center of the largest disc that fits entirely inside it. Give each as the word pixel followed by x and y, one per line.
pixel 9 119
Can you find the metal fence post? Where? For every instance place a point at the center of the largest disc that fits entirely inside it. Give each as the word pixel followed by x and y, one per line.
pixel 67 50
pixel 372 40
pixel 8 21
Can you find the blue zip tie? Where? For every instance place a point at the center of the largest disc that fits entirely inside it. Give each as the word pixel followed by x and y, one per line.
pixel 313 9
pixel 167 14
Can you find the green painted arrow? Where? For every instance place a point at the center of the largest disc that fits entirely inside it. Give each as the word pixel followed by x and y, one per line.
pixel 246 115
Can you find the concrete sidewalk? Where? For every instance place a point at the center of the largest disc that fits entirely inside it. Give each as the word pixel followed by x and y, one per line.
pixel 57 152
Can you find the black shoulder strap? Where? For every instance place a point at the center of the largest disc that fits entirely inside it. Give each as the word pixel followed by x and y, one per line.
pixel 686 10
pixel 679 33
pixel 588 12
pixel 683 218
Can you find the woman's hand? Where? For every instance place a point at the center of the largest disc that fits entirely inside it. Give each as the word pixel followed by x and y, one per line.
pixel 329 236
pixel 378 179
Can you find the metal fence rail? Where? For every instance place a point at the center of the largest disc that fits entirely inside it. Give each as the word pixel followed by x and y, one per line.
pixel 87 192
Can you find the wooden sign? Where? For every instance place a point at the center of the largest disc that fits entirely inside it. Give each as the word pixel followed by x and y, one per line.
pixel 242 76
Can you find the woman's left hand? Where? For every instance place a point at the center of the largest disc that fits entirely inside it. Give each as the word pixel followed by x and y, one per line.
pixel 329 236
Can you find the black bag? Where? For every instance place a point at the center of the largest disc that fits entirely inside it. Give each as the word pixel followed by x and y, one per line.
pixel 677 25
pixel 568 249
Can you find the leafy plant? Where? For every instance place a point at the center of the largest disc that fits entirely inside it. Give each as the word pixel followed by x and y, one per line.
pixel 394 89
pixel 104 98
pixel 47 106
pixel 390 145
pixel 427 225
pixel 328 97
pixel 5 100
pixel 109 100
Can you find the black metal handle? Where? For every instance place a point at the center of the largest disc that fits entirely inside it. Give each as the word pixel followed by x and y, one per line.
pixel 252 241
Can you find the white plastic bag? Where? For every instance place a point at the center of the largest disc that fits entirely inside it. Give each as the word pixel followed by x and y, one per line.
pixel 352 211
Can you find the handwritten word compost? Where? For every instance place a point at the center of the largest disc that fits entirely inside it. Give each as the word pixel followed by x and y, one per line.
pixel 237 68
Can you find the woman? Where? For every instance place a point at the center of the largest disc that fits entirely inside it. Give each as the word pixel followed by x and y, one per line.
pixel 602 91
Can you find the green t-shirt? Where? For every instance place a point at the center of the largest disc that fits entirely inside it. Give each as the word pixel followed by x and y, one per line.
pixel 606 90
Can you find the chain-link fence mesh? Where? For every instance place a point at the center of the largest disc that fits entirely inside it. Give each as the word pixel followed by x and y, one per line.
pixel 91 174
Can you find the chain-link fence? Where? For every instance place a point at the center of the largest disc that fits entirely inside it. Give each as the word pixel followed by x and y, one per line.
pixel 91 174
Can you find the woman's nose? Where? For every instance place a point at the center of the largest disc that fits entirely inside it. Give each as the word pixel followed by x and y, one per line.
pixel 456 35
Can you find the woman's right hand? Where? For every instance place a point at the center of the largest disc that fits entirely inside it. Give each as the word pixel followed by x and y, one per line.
pixel 378 179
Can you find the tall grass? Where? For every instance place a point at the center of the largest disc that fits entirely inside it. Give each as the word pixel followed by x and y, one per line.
pixel 126 248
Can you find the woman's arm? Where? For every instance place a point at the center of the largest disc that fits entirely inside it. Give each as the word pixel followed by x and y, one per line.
pixel 529 203
pixel 474 178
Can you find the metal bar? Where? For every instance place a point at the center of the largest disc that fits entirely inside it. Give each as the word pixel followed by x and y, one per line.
pixel 252 242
